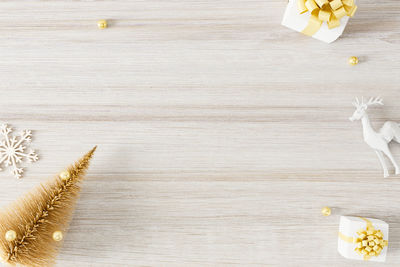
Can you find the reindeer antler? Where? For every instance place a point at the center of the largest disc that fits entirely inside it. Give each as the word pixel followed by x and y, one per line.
pixel 356 102
pixel 371 101
pixel 375 101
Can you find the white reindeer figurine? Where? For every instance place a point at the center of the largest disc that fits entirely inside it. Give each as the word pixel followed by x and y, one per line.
pixel 377 140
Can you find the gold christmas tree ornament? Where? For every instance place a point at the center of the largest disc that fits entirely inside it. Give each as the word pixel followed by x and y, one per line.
pixel 65 175
pixel 32 224
pixel 58 236
pixel 10 235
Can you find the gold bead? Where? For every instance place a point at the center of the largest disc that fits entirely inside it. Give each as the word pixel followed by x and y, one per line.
pixel 353 61
pixel 326 211
pixel 102 24
pixel 57 236
pixel 64 175
pixel 11 235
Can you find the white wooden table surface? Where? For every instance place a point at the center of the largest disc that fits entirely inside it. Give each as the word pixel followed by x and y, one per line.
pixel 221 133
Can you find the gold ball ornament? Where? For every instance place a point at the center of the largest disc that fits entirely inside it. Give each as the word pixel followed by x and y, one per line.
pixel 326 211
pixel 353 61
pixel 11 235
pixel 57 236
pixel 102 24
pixel 64 175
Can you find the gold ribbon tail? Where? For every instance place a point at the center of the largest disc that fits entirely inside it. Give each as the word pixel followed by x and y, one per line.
pixel 314 24
pixel 368 222
pixel 346 238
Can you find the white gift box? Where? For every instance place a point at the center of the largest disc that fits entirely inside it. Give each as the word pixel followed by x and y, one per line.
pixel 296 21
pixel 349 226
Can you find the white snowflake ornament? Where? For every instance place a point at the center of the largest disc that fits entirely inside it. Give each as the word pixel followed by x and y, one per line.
pixel 12 149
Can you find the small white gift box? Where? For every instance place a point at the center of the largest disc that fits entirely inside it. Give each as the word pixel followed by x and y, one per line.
pixel 298 21
pixel 363 238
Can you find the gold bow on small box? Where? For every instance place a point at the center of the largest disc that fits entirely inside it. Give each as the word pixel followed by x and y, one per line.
pixel 330 11
pixel 369 242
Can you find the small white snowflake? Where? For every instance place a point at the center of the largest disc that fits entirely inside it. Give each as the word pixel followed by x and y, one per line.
pixel 12 149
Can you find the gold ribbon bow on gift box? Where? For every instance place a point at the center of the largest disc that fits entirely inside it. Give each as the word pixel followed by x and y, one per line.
pixel 330 11
pixel 369 241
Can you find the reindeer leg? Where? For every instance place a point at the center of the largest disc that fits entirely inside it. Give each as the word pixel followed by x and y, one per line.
pixel 383 163
pixel 390 156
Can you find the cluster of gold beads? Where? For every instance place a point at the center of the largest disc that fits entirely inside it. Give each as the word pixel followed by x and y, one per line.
pixel 11 235
pixel 370 242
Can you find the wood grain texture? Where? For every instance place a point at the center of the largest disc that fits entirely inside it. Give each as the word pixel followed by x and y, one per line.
pixel 221 133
